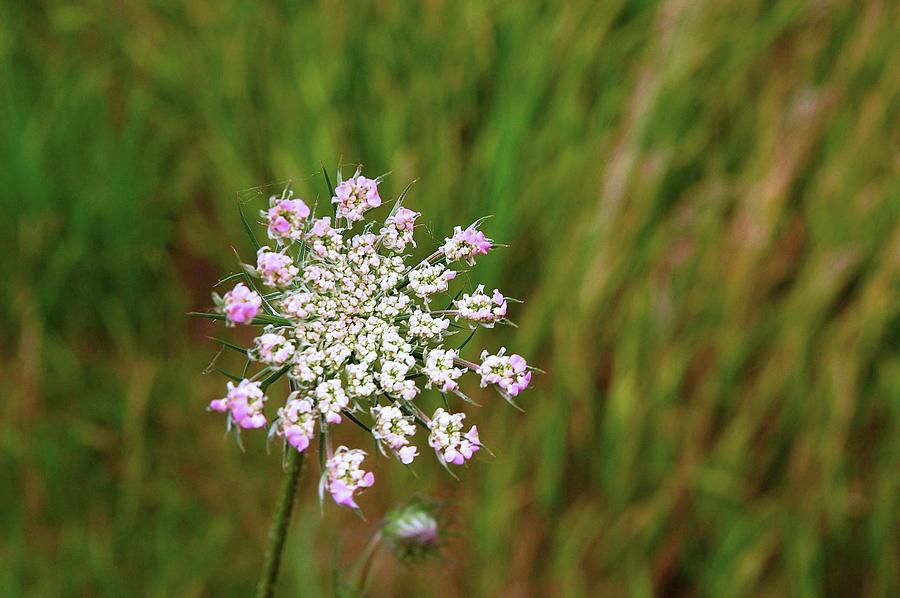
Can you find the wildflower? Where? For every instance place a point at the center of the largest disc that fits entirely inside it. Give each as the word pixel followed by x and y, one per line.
pixel 510 373
pixel 297 421
pixel 344 476
pixel 245 402
pixel 479 307
pixel 276 269
pixel 448 440
pixel 393 429
pixel 465 245
pixel 285 218
pixel 348 322
pixel 241 304
pixel 440 370
pixel 355 196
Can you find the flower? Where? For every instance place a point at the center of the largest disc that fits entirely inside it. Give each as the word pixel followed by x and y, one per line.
pixel 245 402
pixel 276 269
pixel 448 440
pixel 355 196
pixel 297 421
pixel 348 321
pixel 510 373
pixel 285 218
pixel 344 476
pixel 478 307
pixel 412 531
pixel 465 245
pixel 241 304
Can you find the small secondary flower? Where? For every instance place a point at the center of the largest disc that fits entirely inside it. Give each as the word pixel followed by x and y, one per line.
pixel 413 531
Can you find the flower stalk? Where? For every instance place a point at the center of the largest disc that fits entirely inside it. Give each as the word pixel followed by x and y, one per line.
pixel 278 533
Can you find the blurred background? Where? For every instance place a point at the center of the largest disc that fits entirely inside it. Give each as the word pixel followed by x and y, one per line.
pixel 702 201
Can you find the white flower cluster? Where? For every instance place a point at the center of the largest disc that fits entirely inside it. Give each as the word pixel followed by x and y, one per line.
pixel 348 321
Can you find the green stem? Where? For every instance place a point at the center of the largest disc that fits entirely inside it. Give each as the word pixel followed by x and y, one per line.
pixel 278 533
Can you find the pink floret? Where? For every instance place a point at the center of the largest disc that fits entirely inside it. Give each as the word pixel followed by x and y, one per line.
pixel 241 304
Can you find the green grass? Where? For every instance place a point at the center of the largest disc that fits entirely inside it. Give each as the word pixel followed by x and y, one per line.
pixel 703 205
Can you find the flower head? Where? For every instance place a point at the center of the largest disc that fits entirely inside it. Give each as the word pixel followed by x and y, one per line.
pixel 441 370
pixel 330 400
pixel 241 304
pixel 397 232
pixel 426 280
pixel 324 240
pixel 273 349
pixel 348 321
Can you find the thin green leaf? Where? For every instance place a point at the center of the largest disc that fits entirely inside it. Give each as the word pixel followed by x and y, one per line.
pixel 466 342
pixel 231 346
pixel 273 377
pixel 226 374
pixel 248 230
pixel 465 397
pixel 259 320
pixel 327 181
pixel 229 277
pixel 356 421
